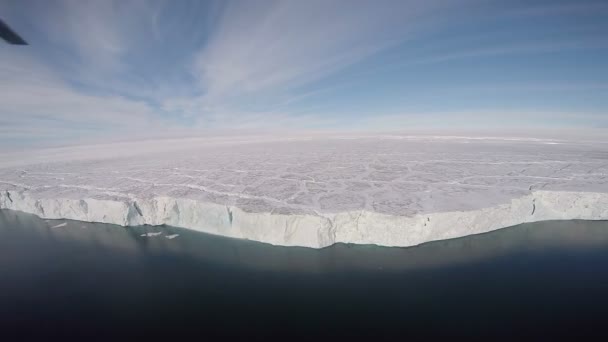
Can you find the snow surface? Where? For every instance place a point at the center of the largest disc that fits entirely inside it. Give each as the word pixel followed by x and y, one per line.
pixel 388 190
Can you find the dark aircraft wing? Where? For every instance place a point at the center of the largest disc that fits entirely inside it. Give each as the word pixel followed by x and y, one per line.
pixel 9 35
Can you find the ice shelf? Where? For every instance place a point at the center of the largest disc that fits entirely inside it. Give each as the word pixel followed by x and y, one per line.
pixel 316 191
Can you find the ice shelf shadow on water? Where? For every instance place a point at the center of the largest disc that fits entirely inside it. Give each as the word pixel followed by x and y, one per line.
pixel 340 257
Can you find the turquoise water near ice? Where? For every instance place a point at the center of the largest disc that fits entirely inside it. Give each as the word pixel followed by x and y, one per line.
pixel 91 279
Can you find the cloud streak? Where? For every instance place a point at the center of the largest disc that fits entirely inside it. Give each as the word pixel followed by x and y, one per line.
pixel 288 43
pixel 152 68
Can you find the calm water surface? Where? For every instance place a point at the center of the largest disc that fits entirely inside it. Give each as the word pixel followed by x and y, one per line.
pixel 99 280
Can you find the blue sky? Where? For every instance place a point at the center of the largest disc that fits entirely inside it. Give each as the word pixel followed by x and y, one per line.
pixel 112 70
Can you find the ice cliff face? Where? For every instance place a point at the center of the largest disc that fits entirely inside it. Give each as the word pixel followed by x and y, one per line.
pixel 317 230
pixel 314 193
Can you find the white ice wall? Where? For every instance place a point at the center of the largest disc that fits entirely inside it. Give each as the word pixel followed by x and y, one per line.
pixel 391 190
pixel 316 231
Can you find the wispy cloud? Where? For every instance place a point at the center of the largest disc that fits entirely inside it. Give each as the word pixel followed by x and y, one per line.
pixel 36 102
pixel 262 45
pixel 481 119
pixel 267 49
pixel 149 68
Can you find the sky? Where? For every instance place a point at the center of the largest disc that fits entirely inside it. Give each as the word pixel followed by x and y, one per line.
pixel 115 70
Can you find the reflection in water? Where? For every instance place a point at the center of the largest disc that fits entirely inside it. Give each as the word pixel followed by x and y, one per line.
pixel 99 280
pixel 146 240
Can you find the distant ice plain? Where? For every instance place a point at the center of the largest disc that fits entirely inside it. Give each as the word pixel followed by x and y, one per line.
pixel 391 190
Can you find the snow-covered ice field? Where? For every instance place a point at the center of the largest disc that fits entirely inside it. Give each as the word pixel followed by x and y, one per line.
pixel 315 191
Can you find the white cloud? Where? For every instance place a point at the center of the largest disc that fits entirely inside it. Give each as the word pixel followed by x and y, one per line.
pixel 280 44
pixel 34 99
pixel 261 51
pixel 478 119
pixel 100 33
pixel 107 67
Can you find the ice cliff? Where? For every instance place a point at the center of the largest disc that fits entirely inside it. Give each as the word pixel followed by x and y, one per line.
pixel 317 192
pixel 316 231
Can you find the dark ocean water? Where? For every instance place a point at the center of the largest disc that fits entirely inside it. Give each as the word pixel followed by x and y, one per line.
pixel 103 281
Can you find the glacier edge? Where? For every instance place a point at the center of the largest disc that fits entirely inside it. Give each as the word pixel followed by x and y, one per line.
pixel 314 231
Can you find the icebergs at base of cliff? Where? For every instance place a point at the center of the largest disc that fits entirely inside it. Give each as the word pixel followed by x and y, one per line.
pixel 151 234
pixel 318 230
pixel 390 190
pixel 155 234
